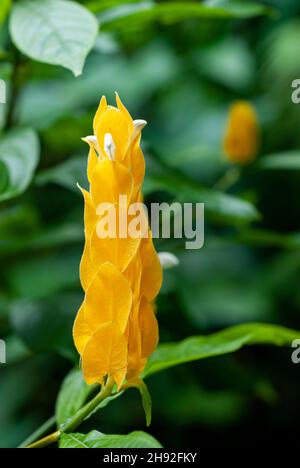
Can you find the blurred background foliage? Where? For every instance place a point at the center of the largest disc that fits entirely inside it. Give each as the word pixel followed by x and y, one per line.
pixel 180 72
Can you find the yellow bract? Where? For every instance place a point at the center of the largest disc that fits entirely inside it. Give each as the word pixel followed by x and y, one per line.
pixel 115 330
pixel 242 134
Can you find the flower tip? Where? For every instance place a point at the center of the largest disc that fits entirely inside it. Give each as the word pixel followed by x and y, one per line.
pixel 138 126
pixel 168 260
pixel 90 139
pixel 139 123
pixel 120 104
pixel 103 101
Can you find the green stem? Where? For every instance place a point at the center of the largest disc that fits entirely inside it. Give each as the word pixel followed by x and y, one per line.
pixel 230 177
pixel 39 432
pixel 86 410
pixel 72 423
pixel 15 88
pixel 50 439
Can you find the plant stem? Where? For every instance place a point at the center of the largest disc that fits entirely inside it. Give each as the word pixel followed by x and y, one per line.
pixel 86 410
pixel 39 432
pixel 50 439
pixel 14 92
pixel 77 419
pixel 230 177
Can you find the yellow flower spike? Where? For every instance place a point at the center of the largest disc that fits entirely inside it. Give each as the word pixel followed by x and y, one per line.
pixel 135 362
pixel 100 111
pixel 92 162
pixel 81 331
pixel 117 251
pixel 111 285
pixel 149 329
pixel 125 113
pixel 133 272
pixel 113 122
pixel 105 354
pixel 92 158
pixel 109 179
pixel 116 329
pixel 137 163
pixel 87 268
pixel 242 134
pixel 151 271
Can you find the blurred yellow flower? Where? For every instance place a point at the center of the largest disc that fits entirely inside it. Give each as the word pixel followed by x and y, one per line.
pixel 116 330
pixel 241 139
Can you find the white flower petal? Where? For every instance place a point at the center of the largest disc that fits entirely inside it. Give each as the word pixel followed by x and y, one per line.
pixel 92 141
pixel 109 146
pixel 138 127
pixel 168 260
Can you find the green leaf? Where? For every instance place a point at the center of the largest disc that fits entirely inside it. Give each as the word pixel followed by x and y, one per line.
pixel 64 234
pixel 4 9
pixel 228 208
pixel 67 174
pixel 222 342
pixel 4 177
pixel 218 205
pixel 264 238
pixel 19 156
pixel 99 5
pixel 146 398
pixel 128 16
pixel 95 439
pixel 44 275
pixel 288 160
pixel 57 32
pixel 72 395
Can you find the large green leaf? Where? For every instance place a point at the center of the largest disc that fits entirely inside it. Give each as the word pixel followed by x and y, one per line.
pixel 218 205
pixel 19 156
pixel 44 275
pixel 65 234
pixel 223 342
pixel 67 174
pixel 127 16
pixel 73 394
pixel 95 439
pixel 58 32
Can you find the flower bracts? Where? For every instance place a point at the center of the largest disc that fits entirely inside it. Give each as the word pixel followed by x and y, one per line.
pixel 116 330
pixel 241 140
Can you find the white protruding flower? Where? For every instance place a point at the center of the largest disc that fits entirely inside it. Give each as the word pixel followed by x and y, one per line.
pixel 138 127
pixel 109 146
pixel 168 260
pixel 92 141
